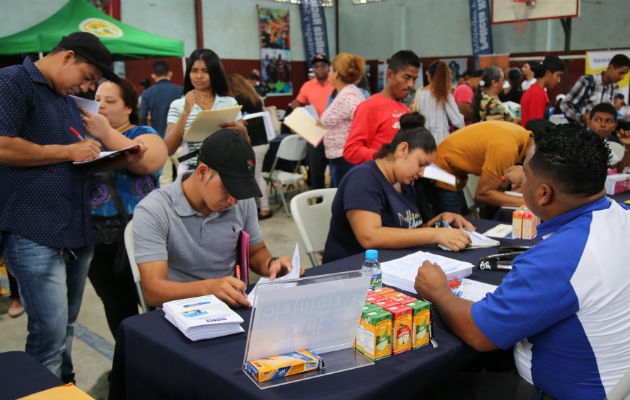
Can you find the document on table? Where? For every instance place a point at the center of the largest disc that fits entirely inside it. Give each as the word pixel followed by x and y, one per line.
pixel 305 125
pixel 401 272
pixel 432 171
pixel 207 122
pixel 500 231
pixel 474 290
pixel 478 241
pixel 293 274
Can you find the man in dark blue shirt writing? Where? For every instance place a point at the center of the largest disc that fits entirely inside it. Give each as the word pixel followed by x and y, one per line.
pixel 45 223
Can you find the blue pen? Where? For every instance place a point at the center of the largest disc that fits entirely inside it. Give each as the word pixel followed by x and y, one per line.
pixel 446 224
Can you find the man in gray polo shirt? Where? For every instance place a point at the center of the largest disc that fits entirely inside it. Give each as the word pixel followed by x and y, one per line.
pixel 186 234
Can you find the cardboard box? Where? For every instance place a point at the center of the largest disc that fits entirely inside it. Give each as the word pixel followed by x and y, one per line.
pixel 267 368
pixel 617 183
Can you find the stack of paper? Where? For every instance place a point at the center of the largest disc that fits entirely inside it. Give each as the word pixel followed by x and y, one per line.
pixel 477 241
pixel 203 317
pixel 401 272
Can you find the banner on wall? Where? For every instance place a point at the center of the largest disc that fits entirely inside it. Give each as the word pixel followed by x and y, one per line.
pixel 480 31
pixel 597 61
pixel 275 50
pixel 313 29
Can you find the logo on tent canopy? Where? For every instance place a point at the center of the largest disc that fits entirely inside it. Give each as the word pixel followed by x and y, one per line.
pixel 100 27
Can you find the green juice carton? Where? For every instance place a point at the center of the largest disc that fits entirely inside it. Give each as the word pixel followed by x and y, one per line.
pixel 359 339
pixel 376 341
pixel 421 318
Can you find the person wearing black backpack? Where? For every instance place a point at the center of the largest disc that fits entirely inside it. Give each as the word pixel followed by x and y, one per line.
pixel 594 89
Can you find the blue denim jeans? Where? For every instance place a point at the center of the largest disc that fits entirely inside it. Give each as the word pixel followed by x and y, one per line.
pixel 51 283
pixel 338 168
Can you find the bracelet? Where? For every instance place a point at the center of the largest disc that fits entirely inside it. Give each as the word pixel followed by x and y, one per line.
pixel 272 259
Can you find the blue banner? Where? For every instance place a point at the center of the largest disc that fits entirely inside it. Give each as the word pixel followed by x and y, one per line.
pixel 480 30
pixel 313 29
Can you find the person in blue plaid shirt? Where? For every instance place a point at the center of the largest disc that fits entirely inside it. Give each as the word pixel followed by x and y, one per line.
pixel 594 89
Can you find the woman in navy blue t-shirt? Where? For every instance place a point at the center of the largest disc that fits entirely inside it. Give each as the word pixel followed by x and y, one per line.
pixel 375 205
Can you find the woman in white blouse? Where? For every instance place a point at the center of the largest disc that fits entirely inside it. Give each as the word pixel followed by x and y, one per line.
pixel 436 102
pixel 345 70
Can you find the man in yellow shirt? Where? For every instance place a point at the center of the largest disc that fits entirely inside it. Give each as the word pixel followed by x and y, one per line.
pixel 487 149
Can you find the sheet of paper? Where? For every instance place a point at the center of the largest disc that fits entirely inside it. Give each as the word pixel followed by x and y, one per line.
pixel 499 231
pixel 207 122
pixel 478 241
pixel 106 154
pixel 474 290
pixel 303 123
pixel 312 111
pixel 401 272
pixel 293 274
pixel 515 194
pixel 432 171
pixel 90 105
pixel 269 130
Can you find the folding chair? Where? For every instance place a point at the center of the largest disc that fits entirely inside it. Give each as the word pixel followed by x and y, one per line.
pixel 292 148
pixel 134 267
pixel 312 212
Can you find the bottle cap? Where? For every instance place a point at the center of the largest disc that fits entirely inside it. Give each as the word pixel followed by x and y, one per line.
pixel 371 254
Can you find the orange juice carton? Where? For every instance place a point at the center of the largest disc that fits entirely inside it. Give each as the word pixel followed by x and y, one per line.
pixel 386 303
pixel 373 297
pixel 421 316
pixel 376 341
pixel 358 340
pixel 268 368
pixel 401 298
pixel 529 227
pixel 517 223
pixel 401 328
pixel 383 291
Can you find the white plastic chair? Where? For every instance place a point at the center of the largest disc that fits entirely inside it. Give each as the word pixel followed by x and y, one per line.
pixel 292 148
pixel 312 218
pixel 134 267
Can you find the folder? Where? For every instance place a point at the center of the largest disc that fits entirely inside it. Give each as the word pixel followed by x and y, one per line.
pixel 243 252
pixel 303 123
pixel 207 122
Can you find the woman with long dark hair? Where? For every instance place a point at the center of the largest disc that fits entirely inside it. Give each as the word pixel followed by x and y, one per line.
pixel 114 195
pixel 436 102
pixel 514 92
pixel 486 104
pixel 205 88
pixel 375 205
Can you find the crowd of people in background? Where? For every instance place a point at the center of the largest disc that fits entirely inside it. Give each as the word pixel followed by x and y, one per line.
pixel 190 200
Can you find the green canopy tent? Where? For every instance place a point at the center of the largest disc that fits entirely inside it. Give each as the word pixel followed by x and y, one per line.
pixel 123 41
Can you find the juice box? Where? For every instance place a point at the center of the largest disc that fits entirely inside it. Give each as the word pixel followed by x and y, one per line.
pixel 358 340
pixel 517 223
pixel 377 335
pixel 386 303
pixel 401 328
pixel 421 313
pixel 267 368
pixel 383 291
pixel 529 225
pixel 401 298
pixel 372 298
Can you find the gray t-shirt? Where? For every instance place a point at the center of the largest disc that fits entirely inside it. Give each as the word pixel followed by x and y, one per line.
pixel 165 227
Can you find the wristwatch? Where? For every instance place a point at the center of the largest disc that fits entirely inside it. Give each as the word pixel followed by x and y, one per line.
pixel 272 259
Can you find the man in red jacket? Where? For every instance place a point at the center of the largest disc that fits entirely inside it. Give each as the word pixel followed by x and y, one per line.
pixel 377 119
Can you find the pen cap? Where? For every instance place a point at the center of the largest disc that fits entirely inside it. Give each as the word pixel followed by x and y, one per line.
pixel 371 254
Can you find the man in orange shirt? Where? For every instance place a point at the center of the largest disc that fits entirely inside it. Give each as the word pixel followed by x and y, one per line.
pixel 316 93
pixel 487 149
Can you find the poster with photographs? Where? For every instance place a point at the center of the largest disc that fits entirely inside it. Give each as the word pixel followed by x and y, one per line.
pixel 275 50
pixel 457 67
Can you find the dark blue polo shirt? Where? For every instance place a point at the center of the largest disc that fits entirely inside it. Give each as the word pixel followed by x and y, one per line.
pixel 47 204
pixel 157 99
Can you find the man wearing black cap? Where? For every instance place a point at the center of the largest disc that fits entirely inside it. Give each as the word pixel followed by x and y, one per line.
pixel 45 222
pixel 316 93
pixel 186 234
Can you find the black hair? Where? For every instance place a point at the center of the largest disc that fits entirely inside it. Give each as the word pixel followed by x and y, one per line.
pixel 620 60
pixel 413 132
pixel 573 158
pixel 402 59
pixel 218 81
pixel 129 97
pixel 551 63
pixel 161 68
pixel 490 74
pixel 514 77
pixel 604 108
pixel 477 73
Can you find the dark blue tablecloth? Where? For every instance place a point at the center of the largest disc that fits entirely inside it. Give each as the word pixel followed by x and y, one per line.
pixel 154 360
pixel 21 375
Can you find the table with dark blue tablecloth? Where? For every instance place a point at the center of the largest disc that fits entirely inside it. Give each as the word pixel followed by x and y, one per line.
pixel 21 375
pixel 153 359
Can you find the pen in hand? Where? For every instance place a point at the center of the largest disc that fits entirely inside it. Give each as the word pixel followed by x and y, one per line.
pixel 76 133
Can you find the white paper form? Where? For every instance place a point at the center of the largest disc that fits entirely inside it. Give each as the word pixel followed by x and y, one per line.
pixel 432 171
pixel 293 274
pixel 401 272
pixel 90 105
pixel 474 290
pixel 269 130
pixel 477 241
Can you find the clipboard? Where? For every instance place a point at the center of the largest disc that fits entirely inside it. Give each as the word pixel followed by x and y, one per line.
pixel 207 122
pixel 108 155
pixel 243 255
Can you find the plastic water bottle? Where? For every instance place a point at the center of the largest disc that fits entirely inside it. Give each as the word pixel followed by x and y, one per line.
pixel 372 268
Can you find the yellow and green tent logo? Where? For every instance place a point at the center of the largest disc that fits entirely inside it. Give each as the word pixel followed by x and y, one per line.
pixel 100 27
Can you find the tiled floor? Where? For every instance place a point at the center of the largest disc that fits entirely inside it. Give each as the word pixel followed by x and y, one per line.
pixel 93 343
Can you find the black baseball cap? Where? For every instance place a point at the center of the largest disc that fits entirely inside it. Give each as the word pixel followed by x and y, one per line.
pixel 320 58
pixel 228 153
pixel 619 96
pixel 91 48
